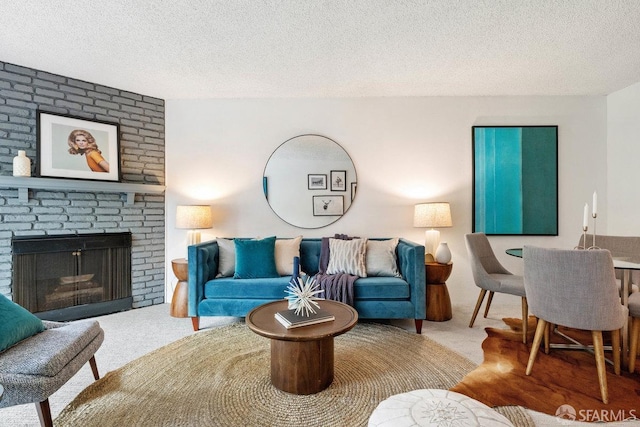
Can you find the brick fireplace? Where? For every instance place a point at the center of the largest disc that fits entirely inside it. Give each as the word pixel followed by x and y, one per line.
pixel 53 211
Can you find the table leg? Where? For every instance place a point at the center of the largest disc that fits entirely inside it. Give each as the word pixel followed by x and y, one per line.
pixel 624 338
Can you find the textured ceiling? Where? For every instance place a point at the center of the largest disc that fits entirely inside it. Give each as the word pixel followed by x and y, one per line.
pixel 330 48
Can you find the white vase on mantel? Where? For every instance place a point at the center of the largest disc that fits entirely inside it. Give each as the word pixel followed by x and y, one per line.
pixel 443 254
pixel 21 164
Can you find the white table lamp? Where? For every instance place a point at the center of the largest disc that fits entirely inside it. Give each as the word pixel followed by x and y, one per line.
pixel 433 215
pixel 193 218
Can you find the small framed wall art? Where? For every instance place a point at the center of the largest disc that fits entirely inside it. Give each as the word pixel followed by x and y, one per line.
pixel 317 181
pixel 328 205
pixel 338 180
pixel 74 147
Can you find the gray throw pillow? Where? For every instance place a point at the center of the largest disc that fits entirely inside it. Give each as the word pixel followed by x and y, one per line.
pixel 226 257
pixel 381 258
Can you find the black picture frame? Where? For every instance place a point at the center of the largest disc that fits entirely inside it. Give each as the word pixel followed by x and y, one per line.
pixel 328 205
pixel 339 180
pixel 515 180
pixel 317 181
pixel 57 158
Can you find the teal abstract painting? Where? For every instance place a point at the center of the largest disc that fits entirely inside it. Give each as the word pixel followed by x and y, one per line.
pixel 515 180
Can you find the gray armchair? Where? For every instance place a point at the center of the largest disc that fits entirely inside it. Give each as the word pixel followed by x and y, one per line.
pixel 490 275
pixel 634 311
pixel 576 289
pixel 36 367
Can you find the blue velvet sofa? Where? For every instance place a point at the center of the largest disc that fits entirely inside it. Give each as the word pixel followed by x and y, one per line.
pixel 374 297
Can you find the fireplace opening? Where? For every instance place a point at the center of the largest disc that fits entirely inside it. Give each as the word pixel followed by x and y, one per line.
pixel 72 277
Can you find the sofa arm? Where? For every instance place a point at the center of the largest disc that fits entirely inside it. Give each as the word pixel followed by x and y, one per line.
pixel 411 265
pixel 203 266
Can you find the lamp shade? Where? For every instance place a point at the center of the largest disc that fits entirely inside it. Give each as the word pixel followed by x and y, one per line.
pixel 432 215
pixel 194 217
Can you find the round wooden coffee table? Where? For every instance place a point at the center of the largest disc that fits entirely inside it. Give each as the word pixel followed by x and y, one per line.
pixel 301 358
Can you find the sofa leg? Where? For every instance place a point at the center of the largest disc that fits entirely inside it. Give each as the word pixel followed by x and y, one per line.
pixel 195 321
pixel 418 326
pixel 44 413
pixel 94 368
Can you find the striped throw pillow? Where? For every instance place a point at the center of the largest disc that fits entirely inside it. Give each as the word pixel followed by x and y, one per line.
pixel 347 256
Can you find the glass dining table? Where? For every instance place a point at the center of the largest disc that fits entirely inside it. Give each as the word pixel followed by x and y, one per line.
pixel 626 263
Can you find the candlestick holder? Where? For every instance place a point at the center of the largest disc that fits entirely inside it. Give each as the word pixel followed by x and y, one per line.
pixel 593 245
pixel 584 238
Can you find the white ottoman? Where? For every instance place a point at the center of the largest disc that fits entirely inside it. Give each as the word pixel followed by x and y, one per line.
pixel 431 407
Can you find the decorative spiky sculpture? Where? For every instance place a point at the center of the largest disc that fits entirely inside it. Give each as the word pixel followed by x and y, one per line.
pixel 302 295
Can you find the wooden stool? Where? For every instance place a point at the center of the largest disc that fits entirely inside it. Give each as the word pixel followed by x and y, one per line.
pixel 179 302
pixel 438 301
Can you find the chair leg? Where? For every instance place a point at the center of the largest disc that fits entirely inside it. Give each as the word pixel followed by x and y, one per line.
pixel 598 349
pixel 44 413
pixel 94 368
pixel 195 322
pixel 633 347
pixel 542 325
pixel 478 304
pixel 525 320
pixel 615 348
pixel 486 308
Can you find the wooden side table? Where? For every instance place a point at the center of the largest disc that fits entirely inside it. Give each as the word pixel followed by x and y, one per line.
pixel 180 302
pixel 438 301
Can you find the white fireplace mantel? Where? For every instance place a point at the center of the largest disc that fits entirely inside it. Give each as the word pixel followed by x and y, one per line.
pixel 23 184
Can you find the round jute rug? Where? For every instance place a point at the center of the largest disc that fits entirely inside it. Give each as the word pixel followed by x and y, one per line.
pixel 220 377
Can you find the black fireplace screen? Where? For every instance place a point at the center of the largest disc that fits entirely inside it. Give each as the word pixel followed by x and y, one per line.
pixel 70 277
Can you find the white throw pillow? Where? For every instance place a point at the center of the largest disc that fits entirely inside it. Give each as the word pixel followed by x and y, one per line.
pixel 226 257
pixel 381 258
pixel 286 249
pixel 347 256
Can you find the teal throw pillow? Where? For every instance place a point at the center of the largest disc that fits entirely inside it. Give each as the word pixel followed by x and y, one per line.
pixel 16 323
pixel 255 258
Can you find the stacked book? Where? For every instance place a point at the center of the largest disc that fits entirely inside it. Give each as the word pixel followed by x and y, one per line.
pixel 290 319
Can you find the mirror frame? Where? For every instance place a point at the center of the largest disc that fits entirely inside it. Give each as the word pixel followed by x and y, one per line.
pixel 330 186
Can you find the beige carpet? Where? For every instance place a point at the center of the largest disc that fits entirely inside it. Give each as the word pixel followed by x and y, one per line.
pixel 220 377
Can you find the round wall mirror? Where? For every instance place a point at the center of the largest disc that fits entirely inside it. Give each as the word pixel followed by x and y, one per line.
pixel 309 181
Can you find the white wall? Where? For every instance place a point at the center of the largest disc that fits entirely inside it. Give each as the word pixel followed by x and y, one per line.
pixel 623 157
pixel 405 150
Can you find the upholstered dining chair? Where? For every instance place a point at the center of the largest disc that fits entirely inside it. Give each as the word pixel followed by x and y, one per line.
pixel 36 367
pixel 634 312
pixel 490 275
pixel 576 289
pixel 619 246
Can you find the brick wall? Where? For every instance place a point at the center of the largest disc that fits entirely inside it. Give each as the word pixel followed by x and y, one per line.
pixel 141 118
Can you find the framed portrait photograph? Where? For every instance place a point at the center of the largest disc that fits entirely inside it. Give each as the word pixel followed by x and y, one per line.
pixel 338 180
pixel 515 180
pixel 317 182
pixel 73 147
pixel 328 205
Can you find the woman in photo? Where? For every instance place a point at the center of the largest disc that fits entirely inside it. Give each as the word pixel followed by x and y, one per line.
pixel 82 142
